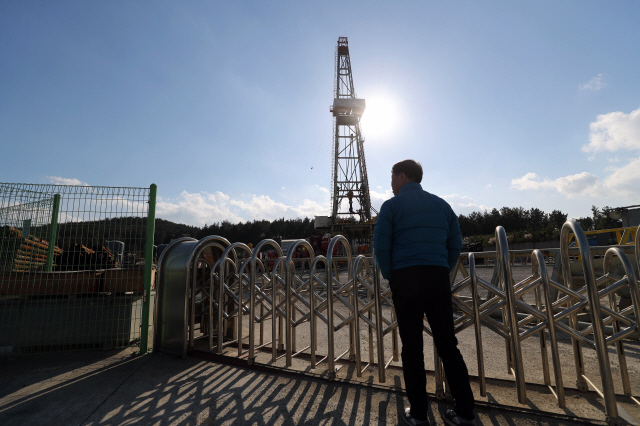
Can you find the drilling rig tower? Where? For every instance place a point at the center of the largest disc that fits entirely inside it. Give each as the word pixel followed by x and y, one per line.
pixel 351 211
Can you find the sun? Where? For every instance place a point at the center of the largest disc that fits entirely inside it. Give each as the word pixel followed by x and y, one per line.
pixel 380 118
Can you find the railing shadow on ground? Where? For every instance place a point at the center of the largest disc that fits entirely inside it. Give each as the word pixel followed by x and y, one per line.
pixel 162 390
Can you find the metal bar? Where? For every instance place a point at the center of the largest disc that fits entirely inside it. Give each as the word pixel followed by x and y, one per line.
pixel 478 327
pixel 379 322
pixel 537 262
pixel 356 315
pixel 148 269
pixel 516 353
pixel 53 232
pixel 288 331
pixel 594 302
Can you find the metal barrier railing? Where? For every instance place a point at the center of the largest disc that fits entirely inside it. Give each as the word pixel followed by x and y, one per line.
pixel 288 293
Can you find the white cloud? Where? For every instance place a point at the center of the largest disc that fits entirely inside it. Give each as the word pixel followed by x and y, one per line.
pixel 625 180
pixel 310 209
pixel 381 196
pixel 595 83
pixel 218 197
pixel 527 181
pixel 614 131
pixel 199 208
pixel 263 207
pixel 581 183
pixel 571 186
pixel 463 204
pixel 377 198
pixel 460 204
pixel 323 189
pixel 57 180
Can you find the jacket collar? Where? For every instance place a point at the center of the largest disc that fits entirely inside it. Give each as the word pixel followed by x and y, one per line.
pixel 409 186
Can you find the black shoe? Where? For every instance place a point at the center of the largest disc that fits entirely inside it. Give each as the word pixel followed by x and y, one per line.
pixel 451 418
pixel 410 420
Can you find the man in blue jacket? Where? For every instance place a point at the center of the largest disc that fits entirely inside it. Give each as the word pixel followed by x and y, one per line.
pixel 417 242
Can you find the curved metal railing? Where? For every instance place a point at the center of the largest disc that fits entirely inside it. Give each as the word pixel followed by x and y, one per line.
pixel 296 297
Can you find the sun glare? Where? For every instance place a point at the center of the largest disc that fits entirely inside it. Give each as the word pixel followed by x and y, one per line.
pixel 380 117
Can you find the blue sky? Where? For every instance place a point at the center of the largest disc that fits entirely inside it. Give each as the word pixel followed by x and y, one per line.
pixel 225 105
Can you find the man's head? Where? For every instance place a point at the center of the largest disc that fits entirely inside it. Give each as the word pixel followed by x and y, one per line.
pixel 404 172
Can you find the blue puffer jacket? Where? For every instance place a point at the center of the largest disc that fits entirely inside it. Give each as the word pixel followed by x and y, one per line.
pixel 416 228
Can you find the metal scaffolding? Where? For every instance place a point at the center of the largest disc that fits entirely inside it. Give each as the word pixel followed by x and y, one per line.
pixel 349 174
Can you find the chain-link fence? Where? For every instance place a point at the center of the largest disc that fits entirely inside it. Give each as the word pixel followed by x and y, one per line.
pixel 76 265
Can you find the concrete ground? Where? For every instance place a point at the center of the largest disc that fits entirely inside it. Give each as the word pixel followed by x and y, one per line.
pixel 119 388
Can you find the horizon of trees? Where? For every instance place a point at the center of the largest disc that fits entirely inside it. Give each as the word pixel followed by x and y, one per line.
pixel 525 225
pixel 246 232
pixel 540 225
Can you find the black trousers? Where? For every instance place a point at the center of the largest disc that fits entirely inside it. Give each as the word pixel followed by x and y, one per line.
pixel 419 291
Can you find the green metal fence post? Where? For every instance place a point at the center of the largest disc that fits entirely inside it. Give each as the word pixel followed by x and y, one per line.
pixel 148 269
pixel 53 232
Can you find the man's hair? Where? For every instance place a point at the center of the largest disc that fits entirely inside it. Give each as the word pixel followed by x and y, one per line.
pixel 412 169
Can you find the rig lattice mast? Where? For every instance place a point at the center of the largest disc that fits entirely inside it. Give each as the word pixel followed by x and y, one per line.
pixel 350 189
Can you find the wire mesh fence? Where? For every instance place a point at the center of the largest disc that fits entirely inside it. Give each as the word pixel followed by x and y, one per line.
pixel 76 267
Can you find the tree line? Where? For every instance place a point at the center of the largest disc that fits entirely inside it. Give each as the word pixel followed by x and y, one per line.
pixel 247 232
pixel 526 225
pixel 530 225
